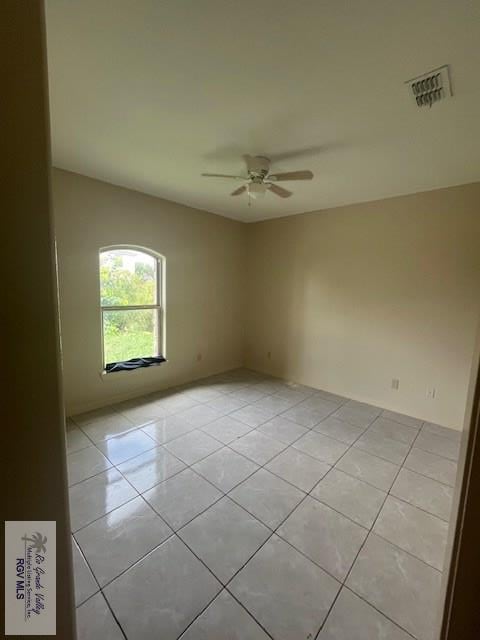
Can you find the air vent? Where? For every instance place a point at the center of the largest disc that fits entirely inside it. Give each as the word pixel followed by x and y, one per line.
pixel 431 87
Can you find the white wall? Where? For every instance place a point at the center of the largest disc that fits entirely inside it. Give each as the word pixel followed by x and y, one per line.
pixel 205 262
pixel 347 299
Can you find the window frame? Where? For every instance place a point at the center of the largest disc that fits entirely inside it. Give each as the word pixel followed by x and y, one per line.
pixel 159 307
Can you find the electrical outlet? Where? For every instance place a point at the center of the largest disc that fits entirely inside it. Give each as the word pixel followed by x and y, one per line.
pixel 395 384
pixel 431 393
pixel 199 357
pixel 269 355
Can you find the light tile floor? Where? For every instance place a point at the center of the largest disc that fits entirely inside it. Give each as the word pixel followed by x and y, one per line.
pixel 243 507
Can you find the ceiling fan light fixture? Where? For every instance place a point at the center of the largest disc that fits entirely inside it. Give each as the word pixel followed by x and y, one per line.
pixel 259 180
pixel 257 189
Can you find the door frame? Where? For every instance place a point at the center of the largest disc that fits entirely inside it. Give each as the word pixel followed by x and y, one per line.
pixel 461 586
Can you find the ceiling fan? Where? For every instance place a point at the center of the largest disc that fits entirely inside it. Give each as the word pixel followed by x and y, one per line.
pixel 259 180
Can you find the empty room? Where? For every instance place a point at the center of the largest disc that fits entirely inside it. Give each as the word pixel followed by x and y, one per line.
pixel 255 373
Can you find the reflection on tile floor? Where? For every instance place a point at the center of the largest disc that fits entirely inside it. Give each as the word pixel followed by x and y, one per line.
pixel 245 507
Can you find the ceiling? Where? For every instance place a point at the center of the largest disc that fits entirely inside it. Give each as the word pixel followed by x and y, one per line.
pixel 148 94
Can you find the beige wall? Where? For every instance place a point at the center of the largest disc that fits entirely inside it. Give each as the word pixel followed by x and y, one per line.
pixel 205 260
pixel 344 299
pixel 349 298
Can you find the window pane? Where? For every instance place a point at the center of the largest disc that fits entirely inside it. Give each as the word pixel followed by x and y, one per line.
pixel 130 334
pixel 127 277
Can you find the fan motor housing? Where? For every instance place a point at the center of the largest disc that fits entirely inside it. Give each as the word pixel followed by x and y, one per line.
pixel 258 166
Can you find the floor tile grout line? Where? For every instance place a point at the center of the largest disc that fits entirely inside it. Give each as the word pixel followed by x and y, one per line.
pixel 142 495
pixel 364 542
pixel 112 464
pixel 256 401
pixel 139 494
pixel 357 477
pixel 143 423
pixel 133 486
pixel 198 402
pixel 187 466
pixel 264 465
pixel 359 524
pixel 162 481
pixel 226 494
pixel 139 560
pixel 368 529
pixel 403 424
pixel 100 590
pixel 383 457
pixel 438 454
pixel 75 531
pixel 442 436
pixel 397 464
pixel 149 421
pixel 94 475
pixel 409 553
pixel 288 481
pixel 414 506
pixel 201 459
pixel 382 416
pixel 345 586
pixel 379 511
pixel 175 533
pixel 176 529
pixel 401 465
pixel 445 484
pixel 386 435
pixel 181 388
pixel 327 435
pixel 89 568
pixel 232 595
pixel 273 533
pixel 155 446
pixel 348 449
pixel 114 615
pixel 259 466
pixel 275 530
pixel 224 584
pixel 70 453
pixel 310 429
pixel 262 377
pixel 107 584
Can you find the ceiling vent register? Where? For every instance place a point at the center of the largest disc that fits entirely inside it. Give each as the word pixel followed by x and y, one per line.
pixel 431 87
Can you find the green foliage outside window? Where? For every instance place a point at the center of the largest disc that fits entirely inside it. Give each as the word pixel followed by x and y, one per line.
pixel 128 333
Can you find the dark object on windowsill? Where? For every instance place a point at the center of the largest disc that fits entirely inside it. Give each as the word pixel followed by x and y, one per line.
pixel 134 363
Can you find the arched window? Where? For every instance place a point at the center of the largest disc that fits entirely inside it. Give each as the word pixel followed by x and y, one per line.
pixel 131 298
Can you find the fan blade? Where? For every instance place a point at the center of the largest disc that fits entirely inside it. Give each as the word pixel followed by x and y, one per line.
pixel 238 191
pixel 279 191
pixel 291 175
pixel 221 175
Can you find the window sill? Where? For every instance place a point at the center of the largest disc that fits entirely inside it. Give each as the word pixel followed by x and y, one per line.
pixel 133 365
